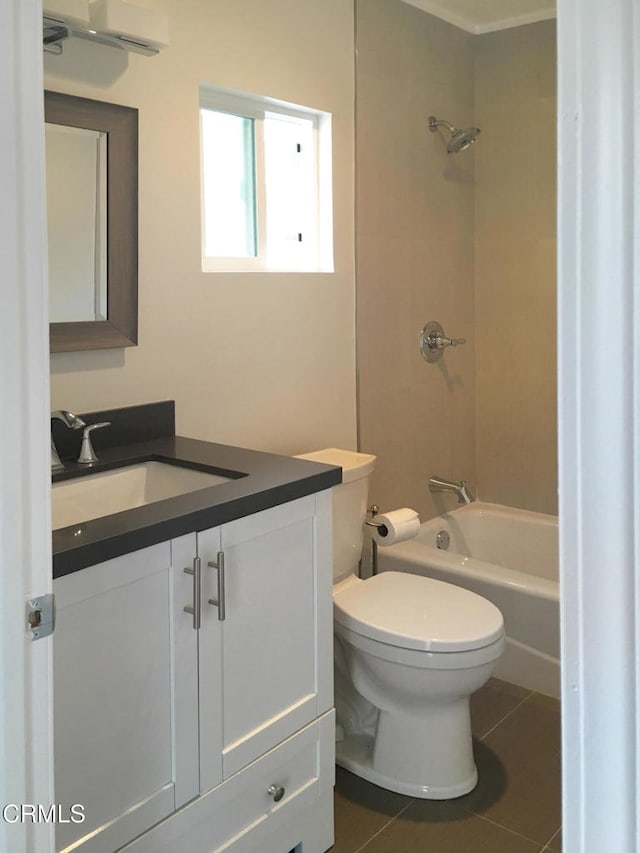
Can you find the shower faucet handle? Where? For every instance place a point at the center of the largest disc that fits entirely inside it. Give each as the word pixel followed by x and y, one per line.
pixel 441 343
pixel 433 341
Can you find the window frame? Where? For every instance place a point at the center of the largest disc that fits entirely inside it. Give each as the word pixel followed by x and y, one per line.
pixel 257 108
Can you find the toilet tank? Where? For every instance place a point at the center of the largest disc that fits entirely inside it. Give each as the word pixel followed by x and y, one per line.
pixel 349 505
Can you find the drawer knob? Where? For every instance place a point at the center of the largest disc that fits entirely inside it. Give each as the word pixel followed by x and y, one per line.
pixel 276 791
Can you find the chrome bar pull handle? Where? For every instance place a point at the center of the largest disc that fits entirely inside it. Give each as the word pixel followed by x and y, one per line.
pixel 195 608
pixel 219 602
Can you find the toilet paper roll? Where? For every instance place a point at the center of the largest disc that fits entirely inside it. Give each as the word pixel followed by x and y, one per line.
pixel 396 526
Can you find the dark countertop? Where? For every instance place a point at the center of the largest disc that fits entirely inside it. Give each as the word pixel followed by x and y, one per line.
pixel 261 480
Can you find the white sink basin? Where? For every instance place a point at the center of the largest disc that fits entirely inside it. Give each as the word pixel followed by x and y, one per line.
pixel 96 495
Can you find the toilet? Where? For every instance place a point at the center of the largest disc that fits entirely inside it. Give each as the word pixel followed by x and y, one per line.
pixel 409 651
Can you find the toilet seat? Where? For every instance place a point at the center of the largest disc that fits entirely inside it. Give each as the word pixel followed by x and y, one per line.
pixel 420 659
pixel 412 612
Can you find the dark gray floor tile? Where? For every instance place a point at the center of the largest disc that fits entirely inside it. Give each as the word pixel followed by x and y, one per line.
pixel 427 826
pixel 542 701
pixel 519 771
pixel 555 845
pixel 361 810
pixel 492 703
pixel 514 809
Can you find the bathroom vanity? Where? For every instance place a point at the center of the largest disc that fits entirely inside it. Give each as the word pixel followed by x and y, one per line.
pixel 193 660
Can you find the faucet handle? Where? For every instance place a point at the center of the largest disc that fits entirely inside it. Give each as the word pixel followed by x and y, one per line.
pixel 87 453
pixel 441 343
pixel 433 341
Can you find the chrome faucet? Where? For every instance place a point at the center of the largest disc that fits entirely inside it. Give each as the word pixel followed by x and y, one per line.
pixel 437 484
pixel 70 420
pixel 87 453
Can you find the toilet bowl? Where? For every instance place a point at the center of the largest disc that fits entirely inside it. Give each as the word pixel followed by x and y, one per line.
pixel 415 649
pixel 409 652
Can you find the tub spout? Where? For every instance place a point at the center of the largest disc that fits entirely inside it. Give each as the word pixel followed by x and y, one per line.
pixel 438 484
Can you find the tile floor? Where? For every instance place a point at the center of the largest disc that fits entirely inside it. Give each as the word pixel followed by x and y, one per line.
pixel 514 809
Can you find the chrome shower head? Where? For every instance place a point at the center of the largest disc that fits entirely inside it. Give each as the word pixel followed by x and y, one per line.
pixel 460 139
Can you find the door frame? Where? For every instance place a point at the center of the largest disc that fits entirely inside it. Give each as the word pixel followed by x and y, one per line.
pixel 599 419
pixel 26 726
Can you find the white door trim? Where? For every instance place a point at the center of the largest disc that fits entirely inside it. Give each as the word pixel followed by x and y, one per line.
pixel 26 764
pixel 599 419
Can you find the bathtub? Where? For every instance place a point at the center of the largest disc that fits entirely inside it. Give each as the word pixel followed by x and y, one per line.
pixel 509 556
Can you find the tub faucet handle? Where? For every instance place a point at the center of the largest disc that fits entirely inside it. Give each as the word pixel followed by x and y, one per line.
pixel 433 341
pixel 441 343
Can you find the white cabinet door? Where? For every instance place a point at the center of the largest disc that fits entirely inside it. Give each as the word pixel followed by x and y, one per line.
pixel 267 641
pixel 116 724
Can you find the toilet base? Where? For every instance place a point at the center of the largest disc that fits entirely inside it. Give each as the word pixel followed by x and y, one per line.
pixel 355 753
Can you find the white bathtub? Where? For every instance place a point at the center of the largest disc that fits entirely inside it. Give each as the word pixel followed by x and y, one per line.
pixel 509 556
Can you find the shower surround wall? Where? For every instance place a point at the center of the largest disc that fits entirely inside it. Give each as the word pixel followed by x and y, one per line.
pixel 466 239
pixel 415 251
pixel 516 266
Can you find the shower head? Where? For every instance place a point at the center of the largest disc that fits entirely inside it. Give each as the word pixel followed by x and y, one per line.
pixel 460 139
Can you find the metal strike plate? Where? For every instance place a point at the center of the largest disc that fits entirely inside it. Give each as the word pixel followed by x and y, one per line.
pixel 40 613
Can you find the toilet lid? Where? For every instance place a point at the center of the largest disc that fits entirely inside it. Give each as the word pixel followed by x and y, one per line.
pixel 414 612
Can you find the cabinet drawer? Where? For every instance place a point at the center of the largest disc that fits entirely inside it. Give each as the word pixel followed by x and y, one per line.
pixel 293 766
pixel 237 813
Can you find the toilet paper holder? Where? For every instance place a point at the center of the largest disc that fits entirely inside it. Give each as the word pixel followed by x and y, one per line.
pixel 373 510
pixel 390 528
pixel 371 522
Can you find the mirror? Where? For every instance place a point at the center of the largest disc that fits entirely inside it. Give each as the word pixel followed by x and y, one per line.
pixel 76 216
pixel 92 212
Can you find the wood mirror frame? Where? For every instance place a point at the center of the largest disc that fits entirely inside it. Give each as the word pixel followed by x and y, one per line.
pixel 120 329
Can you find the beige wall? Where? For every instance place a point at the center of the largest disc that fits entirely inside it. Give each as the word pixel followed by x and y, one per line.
pixel 261 360
pixel 516 266
pixel 415 226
